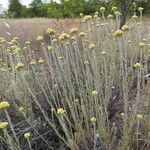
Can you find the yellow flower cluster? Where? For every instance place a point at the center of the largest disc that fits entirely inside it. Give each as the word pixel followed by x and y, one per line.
pixel 73 30
pixel 134 17
pixel 3 125
pixel 139 116
pixel 140 9
pixel 13 49
pixel 54 40
pixel 93 120
pixel 41 61
pixel 21 109
pixel 33 62
pixel 114 8
pixel 64 36
pixel 117 13
pixel 82 34
pixel 13 41
pixel 49 48
pixel 94 93
pixel 27 135
pixel 4 105
pixel 28 43
pixel 142 44
pixel 137 66
pixel 50 31
pixel 81 14
pixel 103 52
pixel 2 40
pixel 61 111
pixel 125 28
pixel 122 114
pixel 19 66
pixel 102 9
pixel 118 33
pixel 87 18
pixel 110 16
pixel 92 46
pixel 40 38
pixel 86 62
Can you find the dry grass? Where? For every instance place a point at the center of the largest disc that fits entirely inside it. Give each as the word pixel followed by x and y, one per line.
pixel 29 29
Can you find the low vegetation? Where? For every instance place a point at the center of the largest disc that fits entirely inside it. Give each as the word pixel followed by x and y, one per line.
pixel 86 89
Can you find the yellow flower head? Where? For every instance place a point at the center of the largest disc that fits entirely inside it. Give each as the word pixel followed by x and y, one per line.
pixel 33 62
pixel 19 66
pixel 122 114
pixel 41 61
pixel 94 93
pixel 102 24
pixel 3 125
pixel 2 40
pixel 64 36
pixel 21 109
pixel 73 38
pixel 86 62
pixel 110 16
pixel 142 44
pixel 144 40
pixel 114 8
pixel 16 38
pixel 140 9
pixel 117 13
pixel 73 30
pixel 87 18
pixel 28 43
pixel 81 14
pixel 93 120
pixel 118 33
pixel 92 46
pixel 95 16
pixel 97 25
pixel 49 48
pixel 134 17
pixel 139 116
pixel 4 105
pixel 137 66
pixel 102 9
pixel 13 41
pixel 40 38
pixel 125 28
pixel 50 31
pixel 27 135
pixel 82 34
pixel 96 13
pixel 61 111
pixel 103 52
pixel 54 41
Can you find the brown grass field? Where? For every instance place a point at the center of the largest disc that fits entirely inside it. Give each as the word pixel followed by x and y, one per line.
pixel 29 29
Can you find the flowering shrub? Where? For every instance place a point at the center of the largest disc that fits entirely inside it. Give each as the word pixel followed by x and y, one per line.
pixel 88 89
